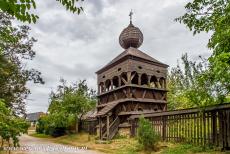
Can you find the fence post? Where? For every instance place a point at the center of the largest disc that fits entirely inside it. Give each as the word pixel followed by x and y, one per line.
pixel 132 122
pixel 164 128
pixel 214 128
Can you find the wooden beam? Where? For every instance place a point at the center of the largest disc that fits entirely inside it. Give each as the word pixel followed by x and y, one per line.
pixel 124 108
pixel 115 95
pixel 123 80
pixel 129 77
pixel 136 107
pixel 188 111
pixel 107 126
pixel 143 96
pixel 132 76
pixel 125 92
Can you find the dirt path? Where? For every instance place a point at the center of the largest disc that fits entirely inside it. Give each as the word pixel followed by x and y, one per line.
pixel 32 145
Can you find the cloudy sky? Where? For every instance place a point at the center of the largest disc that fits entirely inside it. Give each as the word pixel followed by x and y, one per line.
pixel 74 47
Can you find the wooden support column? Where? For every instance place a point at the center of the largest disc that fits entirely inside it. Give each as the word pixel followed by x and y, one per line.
pixel 119 81
pixel 99 89
pixel 139 79
pixel 129 77
pixel 158 83
pixel 164 128
pixel 132 128
pixel 111 80
pixel 149 78
pixel 100 128
pixel 107 124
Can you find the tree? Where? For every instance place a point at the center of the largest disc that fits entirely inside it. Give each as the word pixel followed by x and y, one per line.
pixel 22 9
pixel 11 126
pixel 16 45
pixel 76 99
pixel 147 137
pixel 67 105
pixel 189 87
pixel 213 16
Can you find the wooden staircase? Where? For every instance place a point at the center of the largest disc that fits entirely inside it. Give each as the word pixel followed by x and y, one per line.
pixel 113 129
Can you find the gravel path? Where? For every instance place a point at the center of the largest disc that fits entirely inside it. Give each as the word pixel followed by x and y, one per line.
pixel 32 145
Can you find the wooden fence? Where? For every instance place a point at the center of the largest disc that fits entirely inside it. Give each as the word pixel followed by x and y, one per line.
pixel 209 126
pixel 89 126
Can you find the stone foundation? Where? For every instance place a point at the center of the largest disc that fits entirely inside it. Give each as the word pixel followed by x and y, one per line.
pixel 124 131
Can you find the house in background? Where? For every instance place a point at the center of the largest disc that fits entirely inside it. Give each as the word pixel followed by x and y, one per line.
pixel 33 118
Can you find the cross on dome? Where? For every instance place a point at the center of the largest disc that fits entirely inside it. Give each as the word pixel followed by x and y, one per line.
pixel 131 36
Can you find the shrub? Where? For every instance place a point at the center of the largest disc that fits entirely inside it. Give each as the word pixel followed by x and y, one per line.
pixel 54 124
pixel 147 137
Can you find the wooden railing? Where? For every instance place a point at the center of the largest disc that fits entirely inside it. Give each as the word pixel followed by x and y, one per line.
pixel 104 132
pixel 113 128
pixel 209 126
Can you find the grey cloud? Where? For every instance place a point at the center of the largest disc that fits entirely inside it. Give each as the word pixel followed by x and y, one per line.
pixel 75 47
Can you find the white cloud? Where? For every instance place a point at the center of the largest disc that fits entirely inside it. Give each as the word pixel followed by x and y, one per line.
pixel 76 46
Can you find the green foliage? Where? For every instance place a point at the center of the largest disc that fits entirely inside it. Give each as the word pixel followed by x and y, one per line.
pixel 75 99
pixel 189 85
pixel 185 148
pixel 67 105
pixel 146 134
pixel 204 15
pixel 22 9
pixel 213 16
pixel 41 125
pixel 11 126
pixel 16 45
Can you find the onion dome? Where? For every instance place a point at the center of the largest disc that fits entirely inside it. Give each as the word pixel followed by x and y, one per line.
pixel 131 36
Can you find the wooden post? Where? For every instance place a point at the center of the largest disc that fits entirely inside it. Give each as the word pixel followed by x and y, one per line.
pixel 132 129
pixel 107 124
pixel 164 128
pixel 149 78
pixel 100 128
pixel 111 84
pixel 139 79
pixel 129 77
pixel 214 128
pixel 119 81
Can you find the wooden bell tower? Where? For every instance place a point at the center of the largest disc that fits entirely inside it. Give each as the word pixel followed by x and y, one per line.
pixel 132 83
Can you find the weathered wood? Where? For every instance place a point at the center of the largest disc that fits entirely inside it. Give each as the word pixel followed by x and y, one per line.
pixel 164 127
pixel 228 127
pixel 205 127
pixel 107 124
pixel 187 111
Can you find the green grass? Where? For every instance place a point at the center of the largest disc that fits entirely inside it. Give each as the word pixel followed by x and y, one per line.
pixel 40 135
pixel 123 145
pixel 188 149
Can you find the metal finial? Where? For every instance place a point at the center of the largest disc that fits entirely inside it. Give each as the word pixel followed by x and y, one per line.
pixel 130 15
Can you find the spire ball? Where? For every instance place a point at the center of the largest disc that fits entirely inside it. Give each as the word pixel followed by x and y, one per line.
pixel 131 36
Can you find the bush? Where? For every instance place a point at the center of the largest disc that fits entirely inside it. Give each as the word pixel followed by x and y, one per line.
pixel 53 124
pixel 147 137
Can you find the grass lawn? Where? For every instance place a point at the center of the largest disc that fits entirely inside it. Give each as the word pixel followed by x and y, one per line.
pixel 125 145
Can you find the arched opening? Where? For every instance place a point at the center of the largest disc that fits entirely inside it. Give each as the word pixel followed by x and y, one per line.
pixel 123 78
pixel 162 82
pixel 101 87
pixel 115 82
pixel 134 78
pixel 153 82
pixel 107 85
pixel 144 79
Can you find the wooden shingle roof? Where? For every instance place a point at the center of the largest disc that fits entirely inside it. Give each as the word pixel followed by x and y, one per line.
pixel 111 105
pixel 135 53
